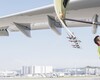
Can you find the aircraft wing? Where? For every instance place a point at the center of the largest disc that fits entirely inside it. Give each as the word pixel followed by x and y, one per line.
pixel 37 18
pixel 84 10
pixel 33 19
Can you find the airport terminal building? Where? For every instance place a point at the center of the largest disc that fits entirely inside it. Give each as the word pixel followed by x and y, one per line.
pixel 36 70
pixel 84 71
pixel 48 71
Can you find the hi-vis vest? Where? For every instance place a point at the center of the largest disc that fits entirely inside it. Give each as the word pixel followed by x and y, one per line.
pixel 99 51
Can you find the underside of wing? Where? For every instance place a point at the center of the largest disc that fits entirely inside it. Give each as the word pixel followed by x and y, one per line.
pixel 82 10
pixel 36 19
pixel 28 20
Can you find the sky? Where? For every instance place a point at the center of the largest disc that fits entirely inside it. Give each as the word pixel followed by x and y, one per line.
pixel 45 47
